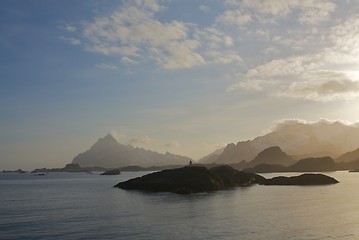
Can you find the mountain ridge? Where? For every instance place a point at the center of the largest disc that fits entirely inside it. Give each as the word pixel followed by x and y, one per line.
pixel 297 139
pixel 108 152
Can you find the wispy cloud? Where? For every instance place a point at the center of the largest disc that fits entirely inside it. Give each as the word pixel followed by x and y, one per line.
pixel 118 136
pixel 135 34
pixel 323 86
pixel 308 12
pixel 318 75
pixel 108 66
pixel 234 17
pixel 173 144
pixel 296 41
pixel 282 123
pixel 141 141
pixel 71 40
pixel 204 8
pixel 70 28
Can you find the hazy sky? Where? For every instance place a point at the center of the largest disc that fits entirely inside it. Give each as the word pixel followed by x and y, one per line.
pixel 184 76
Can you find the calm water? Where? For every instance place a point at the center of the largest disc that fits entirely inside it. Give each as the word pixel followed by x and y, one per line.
pixel 85 206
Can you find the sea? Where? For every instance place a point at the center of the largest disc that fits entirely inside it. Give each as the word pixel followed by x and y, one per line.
pixel 87 206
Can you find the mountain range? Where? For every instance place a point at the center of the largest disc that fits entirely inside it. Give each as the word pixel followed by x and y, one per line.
pixel 273 159
pixel 279 149
pixel 299 140
pixel 109 153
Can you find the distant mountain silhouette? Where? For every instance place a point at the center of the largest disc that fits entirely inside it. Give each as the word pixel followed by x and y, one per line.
pixel 297 139
pixel 238 152
pixel 323 164
pixel 109 153
pixel 212 157
pixel 349 156
pixel 272 155
pixel 266 168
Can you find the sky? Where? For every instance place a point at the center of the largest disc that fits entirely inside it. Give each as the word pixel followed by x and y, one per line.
pixel 184 76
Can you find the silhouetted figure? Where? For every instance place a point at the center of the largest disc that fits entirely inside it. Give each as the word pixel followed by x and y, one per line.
pixel 190 163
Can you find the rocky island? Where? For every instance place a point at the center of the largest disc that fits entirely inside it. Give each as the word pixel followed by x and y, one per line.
pixel 17 171
pixel 69 168
pixel 301 180
pixel 111 172
pixel 194 179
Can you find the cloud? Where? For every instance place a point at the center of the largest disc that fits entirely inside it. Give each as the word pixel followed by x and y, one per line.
pixel 204 8
pixel 251 85
pixel 319 75
pixel 128 61
pixel 134 34
pixel 224 57
pixel 108 66
pixel 141 141
pixel 324 86
pixel 234 17
pixel 70 28
pixel 118 136
pixel 71 40
pixel 345 39
pixel 148 4
pixel 173 144
pixel 280 124
pixel 274 72
pixel 308 11
pixel 314 15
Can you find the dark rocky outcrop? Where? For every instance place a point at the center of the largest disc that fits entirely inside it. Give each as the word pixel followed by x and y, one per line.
pixel 111 172
pixel 193 179
pixel 234 178
pixel 153 168
pixel 301 180
pixel 16 171
pixel 181 180
pixel 196 179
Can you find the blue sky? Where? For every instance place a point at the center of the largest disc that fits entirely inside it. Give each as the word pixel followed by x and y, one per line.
pixel 180 76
